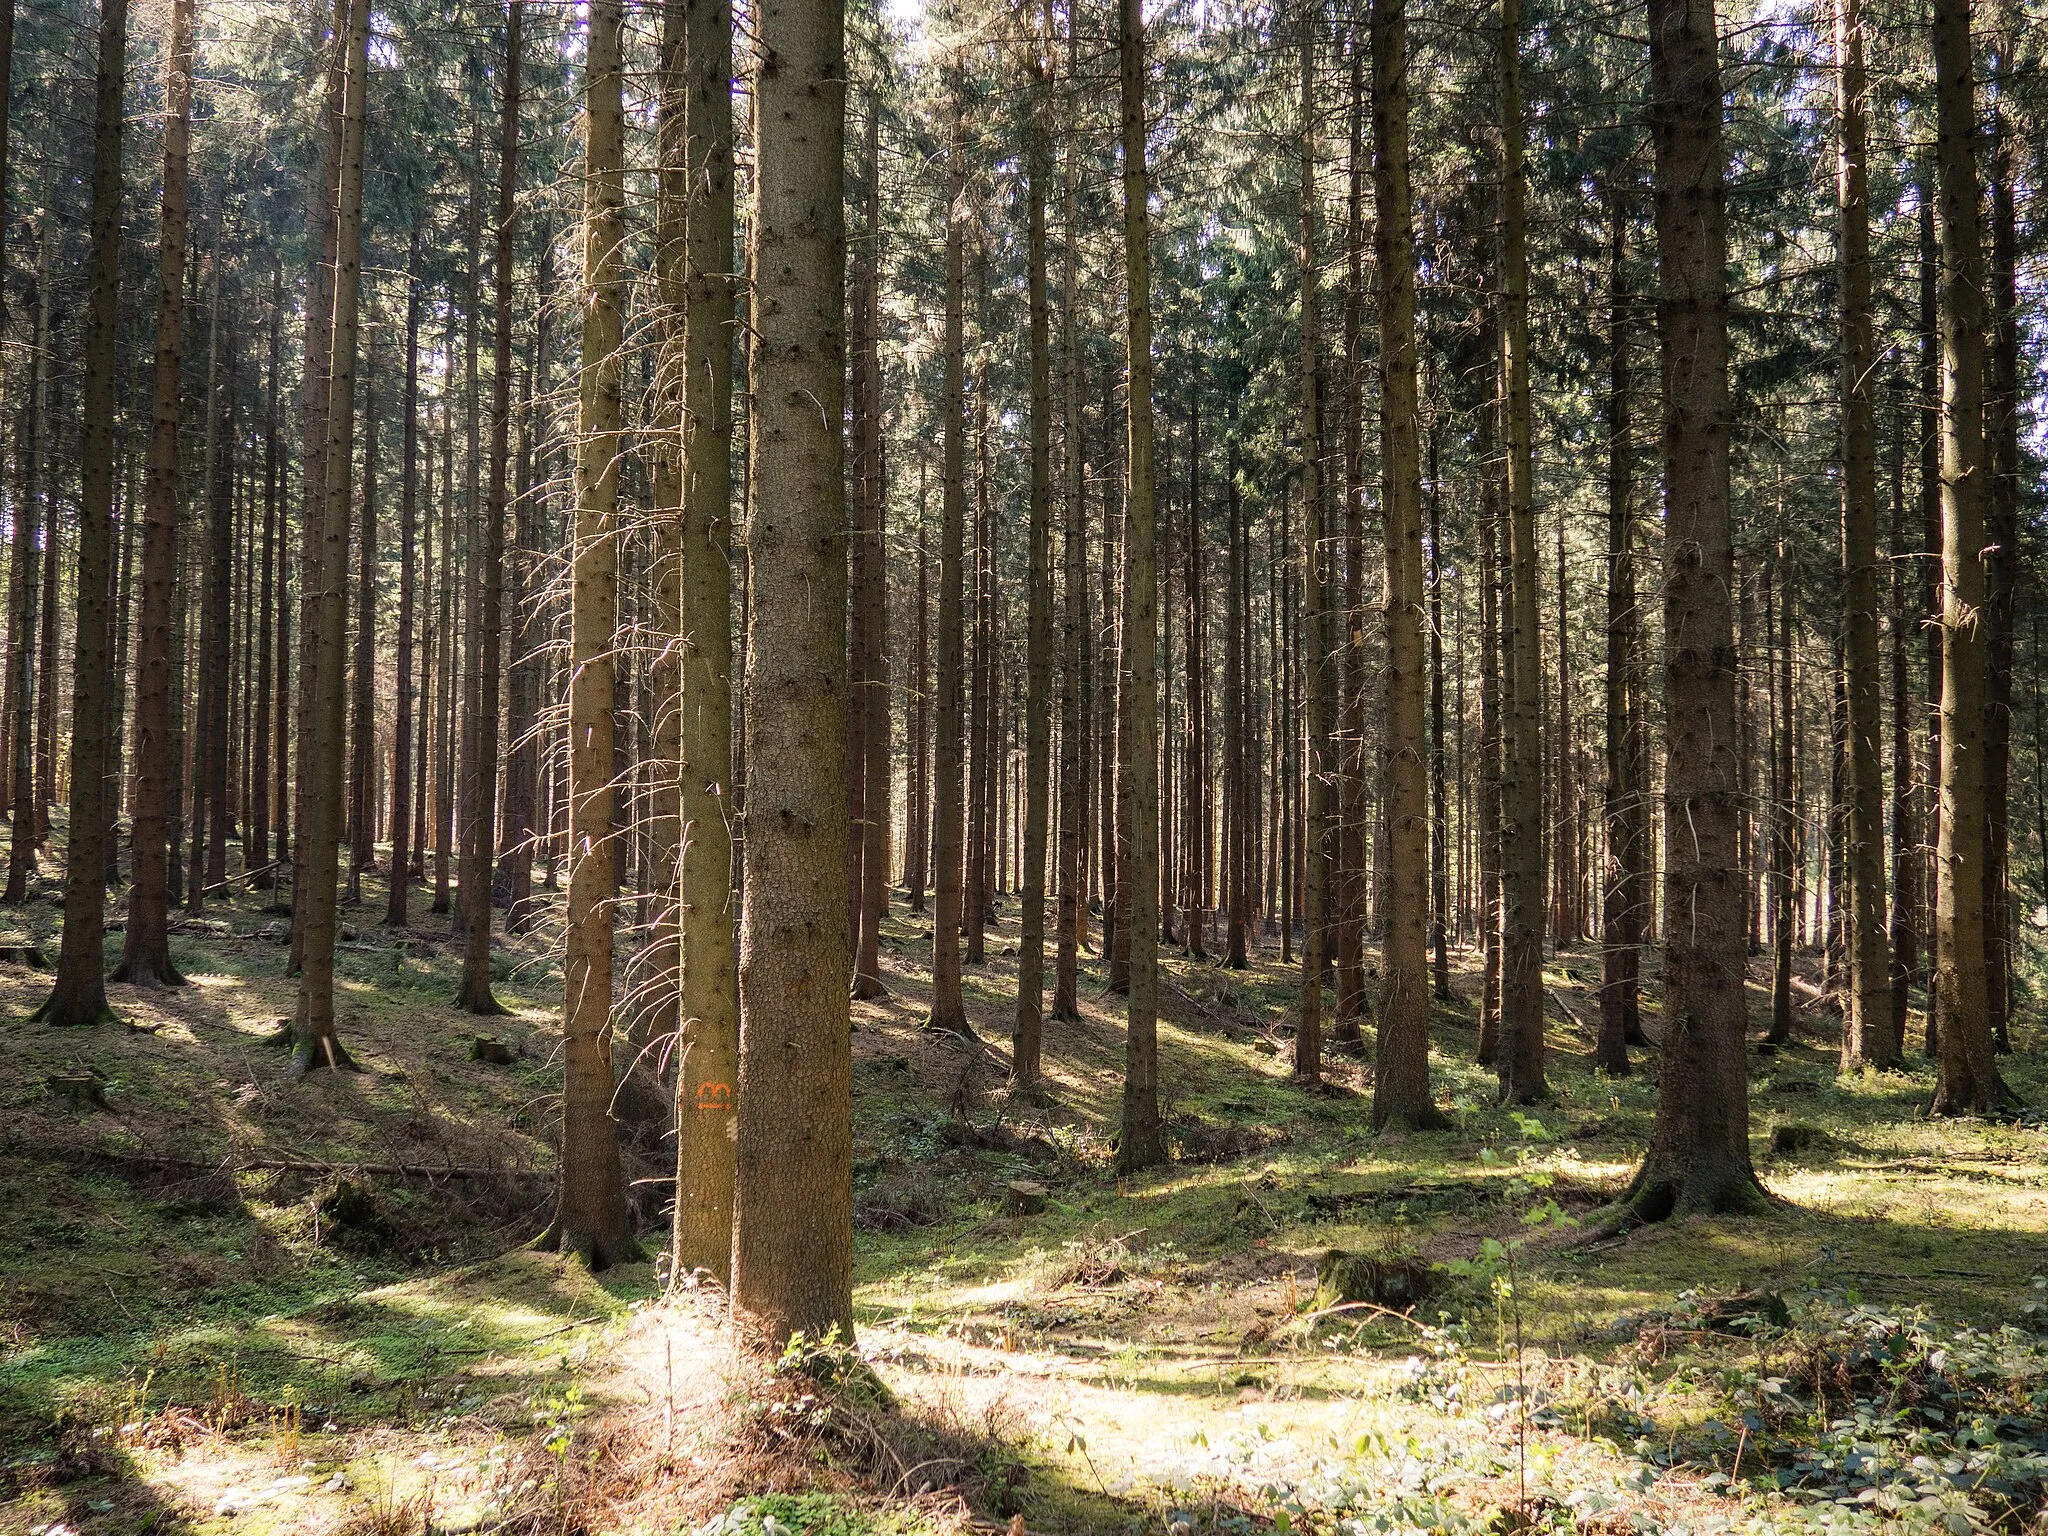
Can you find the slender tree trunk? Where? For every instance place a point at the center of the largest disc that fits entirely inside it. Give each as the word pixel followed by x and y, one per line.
pixel 1073 787
pixel 1027 1035
pixel 1698 1160
pixel 217 634
pixel 257 856
pixel 793 1216
pixel 480 853
pixel 1967 1079
pixel 1866 1029
pixel 710 985
pixel 1439 810
pixel 1349 936
pixel 1522 847
pixel 1905 861
pixel 1784 846
pixel 949 1011
pixel 408 540
pixel 870 597
pixel 590 1209
pixel 32 524
pixel 1142 1144
pixel 80 993
pixel 2002 537
pixel 1621 924
pixel 1492 744
pixel 1931 592
pixel 362 735
pixel 313 1030
pixel 1308 1035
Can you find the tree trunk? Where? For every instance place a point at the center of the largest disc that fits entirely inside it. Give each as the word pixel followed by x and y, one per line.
pixel 362 732
pixel 2002 537
pixel 1349 935
pixel 1784 843
pixel 1141 1143
pixel 1073 787
pixel 1401 1094
pixel 1967 1078
pixel 313 1029
pixel 870 705
pixel 1866 1027
pixel 590 1209
pixel 80 993
pixel 949 1010
pixel 210 836
pixel 1621 915
pixel 1308 1035
pixel 256 856
pixel 1698 1159
pixel 1027 1036
pixel 32 524
pixel 1491 740
pixel 145 943
pixel 1522 850
pixel 480 854
pixel 793 1216
pixel 408 540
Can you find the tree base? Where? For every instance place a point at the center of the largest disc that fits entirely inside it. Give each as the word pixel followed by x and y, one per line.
pixel 1656 1194
pixel 309 1056
pixel 868 989
pixel 597 1253
pixel 138 974
pixel 59 1013
pixel 477 999
pixel 948 1024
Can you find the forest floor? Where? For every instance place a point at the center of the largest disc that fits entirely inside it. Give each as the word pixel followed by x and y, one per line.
pixel 229 1302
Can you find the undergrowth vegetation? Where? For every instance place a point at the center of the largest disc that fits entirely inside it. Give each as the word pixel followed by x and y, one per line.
pixel 236 1304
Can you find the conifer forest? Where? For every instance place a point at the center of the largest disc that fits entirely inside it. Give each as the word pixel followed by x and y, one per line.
pixel 1026 767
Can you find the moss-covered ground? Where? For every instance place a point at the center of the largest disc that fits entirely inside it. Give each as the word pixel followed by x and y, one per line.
pixel 233 1302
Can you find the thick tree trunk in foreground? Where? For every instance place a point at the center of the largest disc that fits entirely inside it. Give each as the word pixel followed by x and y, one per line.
pixel 80 993
pixel 590 1208
pixel 793 1213
pixel 1698 1159
pixel 145 944
pixel 1401 1093
pixel 1141 1145
pixel 1967 1079
pixel 1866 1025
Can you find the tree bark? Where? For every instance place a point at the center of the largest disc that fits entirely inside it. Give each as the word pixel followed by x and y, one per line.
pixel 1967 1079
pixel 1698 1160
pixel 1866 1026
pixel 1621 926
pixel 1522 842
pixel 793 1214
pixel 314 1040
pixel 80 993
pixel 949 875
pixel 1026 1041
pixel 590 1210
pixel 1401 1094
pixel 1141 1143
pixel 480 855
pixel 1308 1034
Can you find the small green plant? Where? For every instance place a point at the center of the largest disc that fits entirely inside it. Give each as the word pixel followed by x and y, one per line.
pixel 1496 1266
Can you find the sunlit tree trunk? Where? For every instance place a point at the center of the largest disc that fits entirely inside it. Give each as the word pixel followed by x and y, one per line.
pixel 314 1042
pixel 1308 1035
pixel 1866 1027
pixel 590 1208
pixel 1967 1080
pixel 793 1216
pixel 1141 1144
